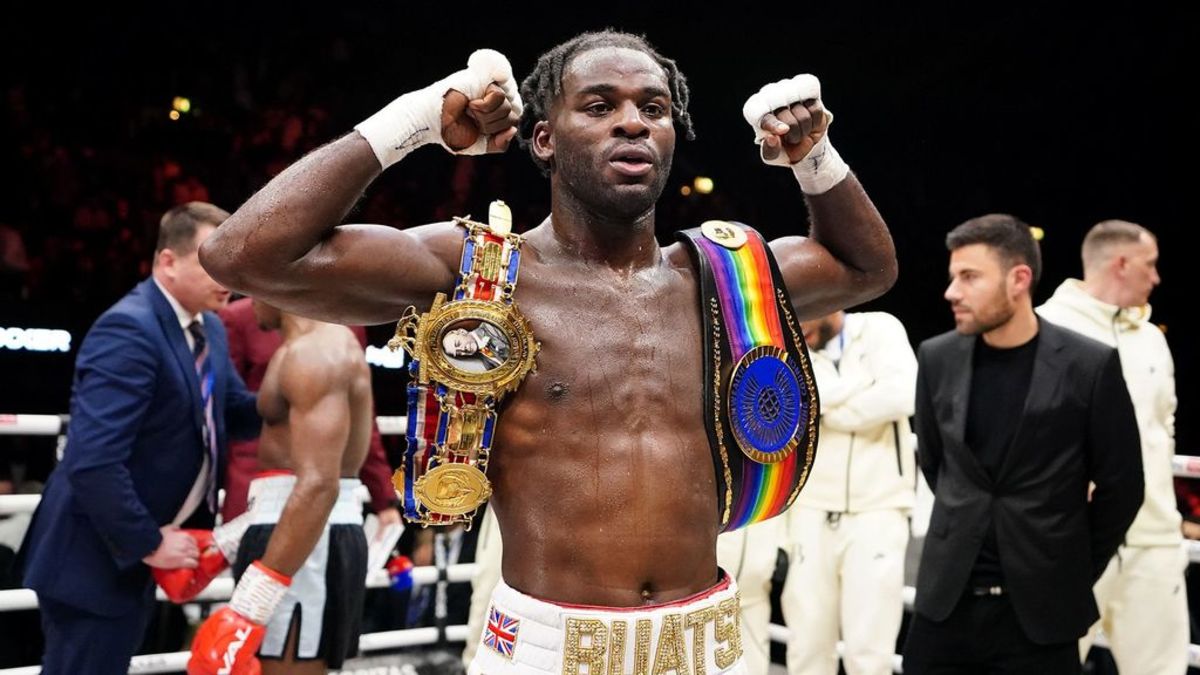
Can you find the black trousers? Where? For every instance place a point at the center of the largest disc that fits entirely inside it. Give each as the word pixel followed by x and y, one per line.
pixel 982 637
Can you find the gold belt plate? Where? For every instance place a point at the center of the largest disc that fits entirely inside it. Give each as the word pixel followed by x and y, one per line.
pixel 502 347
pixel 453 489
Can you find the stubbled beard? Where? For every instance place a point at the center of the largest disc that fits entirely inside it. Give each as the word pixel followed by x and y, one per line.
pixel 581 175
pixel 997 314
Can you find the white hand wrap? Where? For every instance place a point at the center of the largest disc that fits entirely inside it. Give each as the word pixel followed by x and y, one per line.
pixel 822 167
pixel 415 118
pixel 228 537
pixel 258 593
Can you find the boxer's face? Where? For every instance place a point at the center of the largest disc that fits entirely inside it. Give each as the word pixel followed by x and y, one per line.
pixel 983 291
pixel 610 138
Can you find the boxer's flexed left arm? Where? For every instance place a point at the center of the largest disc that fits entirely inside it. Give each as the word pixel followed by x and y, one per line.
pixel 286 245
pixel 848 257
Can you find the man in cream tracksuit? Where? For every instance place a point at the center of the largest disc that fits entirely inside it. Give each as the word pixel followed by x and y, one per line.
pixel 849 526
pixel 750 554
pixel 1142 599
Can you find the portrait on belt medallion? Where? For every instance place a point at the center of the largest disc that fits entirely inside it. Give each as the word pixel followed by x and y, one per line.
pixel 475 350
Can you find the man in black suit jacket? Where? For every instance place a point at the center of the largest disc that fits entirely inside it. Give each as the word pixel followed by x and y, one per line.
pixel 1016 418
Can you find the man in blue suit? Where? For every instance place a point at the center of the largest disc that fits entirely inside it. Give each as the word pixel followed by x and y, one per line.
pixel 153 398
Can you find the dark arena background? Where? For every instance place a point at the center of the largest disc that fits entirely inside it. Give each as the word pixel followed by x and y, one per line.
pixel 113 113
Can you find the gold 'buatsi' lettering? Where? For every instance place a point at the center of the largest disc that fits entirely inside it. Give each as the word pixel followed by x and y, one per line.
pixel 601 645
pixel 616 647
pixel 671 653
pixel 729 631
pixel 577 654
pixel 641 646
pixel 698 621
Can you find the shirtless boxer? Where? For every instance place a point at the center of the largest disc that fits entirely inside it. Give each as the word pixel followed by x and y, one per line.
pixel 604 484
pixel 302 562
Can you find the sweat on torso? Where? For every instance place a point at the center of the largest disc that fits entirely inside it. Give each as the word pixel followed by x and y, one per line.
pixel 604 482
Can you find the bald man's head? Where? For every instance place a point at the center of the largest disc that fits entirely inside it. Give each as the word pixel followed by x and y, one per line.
pixel 1120 262
pixel 1103 240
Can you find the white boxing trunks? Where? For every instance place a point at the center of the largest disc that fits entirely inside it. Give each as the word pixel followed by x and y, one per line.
pixel 699 634
pixel 326 595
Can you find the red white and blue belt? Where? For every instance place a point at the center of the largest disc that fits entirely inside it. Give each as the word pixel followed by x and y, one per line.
pixel 467 354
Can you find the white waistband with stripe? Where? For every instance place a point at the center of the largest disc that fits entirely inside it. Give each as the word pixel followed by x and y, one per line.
pixel 269 494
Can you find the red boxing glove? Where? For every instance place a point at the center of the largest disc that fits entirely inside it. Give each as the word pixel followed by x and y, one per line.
pixel 218 550
pixel 227 642
pixel 183 584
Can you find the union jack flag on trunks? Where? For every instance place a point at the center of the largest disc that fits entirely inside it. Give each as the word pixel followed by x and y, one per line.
pixel 501 633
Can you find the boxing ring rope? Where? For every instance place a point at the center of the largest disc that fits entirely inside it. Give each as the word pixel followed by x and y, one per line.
pixel 1183 466
pixel 32 425
pixel 222 587
pixel 54 425
pixel 176 662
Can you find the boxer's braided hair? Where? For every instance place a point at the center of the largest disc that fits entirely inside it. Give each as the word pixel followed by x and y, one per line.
pixel 544 84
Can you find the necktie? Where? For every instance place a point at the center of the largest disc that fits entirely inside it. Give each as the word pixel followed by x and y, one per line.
pixel 208 428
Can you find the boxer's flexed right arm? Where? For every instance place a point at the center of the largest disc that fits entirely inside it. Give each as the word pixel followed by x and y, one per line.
pixel 285 244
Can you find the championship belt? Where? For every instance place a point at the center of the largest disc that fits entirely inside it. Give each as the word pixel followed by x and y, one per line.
pixel 467 353
pixel 760 397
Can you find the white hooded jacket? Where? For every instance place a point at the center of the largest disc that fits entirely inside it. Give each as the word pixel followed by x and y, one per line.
pixel 865 457
pixel 1149 373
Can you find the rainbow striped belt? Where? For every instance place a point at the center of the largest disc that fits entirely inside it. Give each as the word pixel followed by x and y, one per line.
pixel 760 396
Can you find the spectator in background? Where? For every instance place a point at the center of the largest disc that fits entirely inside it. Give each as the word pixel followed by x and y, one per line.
pixel 250 349
pixel 1143 604
pixel 14 263
pixel 849 526
pixel 1187 496
pixel 452 545
pixel 1015 418
pixel 753 556
pixel 1187 500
